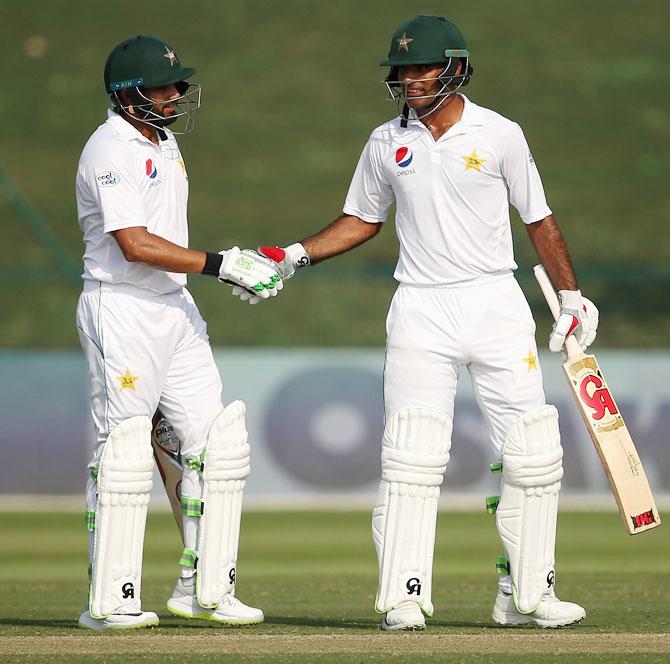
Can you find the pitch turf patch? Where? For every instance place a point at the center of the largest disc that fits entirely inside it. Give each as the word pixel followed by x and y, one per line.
pixel 559 642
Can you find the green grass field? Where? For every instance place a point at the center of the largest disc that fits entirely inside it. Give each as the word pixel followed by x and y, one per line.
pixel 314 574
pixel 291 91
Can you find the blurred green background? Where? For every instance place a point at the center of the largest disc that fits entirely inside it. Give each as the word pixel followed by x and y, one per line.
pixel 291 91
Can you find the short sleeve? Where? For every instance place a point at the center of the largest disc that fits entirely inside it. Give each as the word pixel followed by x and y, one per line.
pixel 370 195
pixel 112 182
pixel 526 192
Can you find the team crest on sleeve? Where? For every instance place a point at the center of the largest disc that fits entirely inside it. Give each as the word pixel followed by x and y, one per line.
pixel 403 157
pixel 151 169
pixel 107 179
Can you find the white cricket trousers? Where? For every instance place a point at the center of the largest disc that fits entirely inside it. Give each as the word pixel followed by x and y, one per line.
pixel 146 350
pixel 487 327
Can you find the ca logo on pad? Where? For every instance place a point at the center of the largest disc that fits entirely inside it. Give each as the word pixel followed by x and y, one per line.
pixel 403 157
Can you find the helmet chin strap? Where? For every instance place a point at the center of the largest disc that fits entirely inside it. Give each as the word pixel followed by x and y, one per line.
pixel 406 109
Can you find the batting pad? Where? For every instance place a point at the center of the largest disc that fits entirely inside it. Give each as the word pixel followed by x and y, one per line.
pixel 415 453
pixel 124 483
pixel 226 467
pixel 526 517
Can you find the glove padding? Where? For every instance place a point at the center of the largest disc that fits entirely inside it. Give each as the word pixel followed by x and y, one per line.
pixel 578 316
pixel 288 259
pixel 251 274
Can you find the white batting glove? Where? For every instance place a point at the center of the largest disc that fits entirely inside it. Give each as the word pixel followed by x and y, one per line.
pixel 578 316
pixel 289 258
pixel 251 275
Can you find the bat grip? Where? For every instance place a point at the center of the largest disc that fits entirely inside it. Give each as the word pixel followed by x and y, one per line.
pixel 571 345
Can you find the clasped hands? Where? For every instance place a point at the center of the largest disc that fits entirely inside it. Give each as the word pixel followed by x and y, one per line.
pixel 255 275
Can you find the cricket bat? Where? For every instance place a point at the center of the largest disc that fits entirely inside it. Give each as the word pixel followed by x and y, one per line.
pixel 167 452
pixel 606 427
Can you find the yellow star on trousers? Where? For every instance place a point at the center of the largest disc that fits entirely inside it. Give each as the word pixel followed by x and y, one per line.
pixel 531 361
pixel 473 161
pixel 128 380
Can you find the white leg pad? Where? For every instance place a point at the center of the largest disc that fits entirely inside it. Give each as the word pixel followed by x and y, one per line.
pixel 415 453
pixel 124 481
pixel 526 515
pixel 226 467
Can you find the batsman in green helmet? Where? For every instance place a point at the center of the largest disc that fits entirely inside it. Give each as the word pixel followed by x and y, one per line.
pixel 146 347
pixel 453 169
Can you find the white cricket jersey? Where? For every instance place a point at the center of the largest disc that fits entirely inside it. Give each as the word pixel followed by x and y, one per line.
pixel 452 195
pixel 125 180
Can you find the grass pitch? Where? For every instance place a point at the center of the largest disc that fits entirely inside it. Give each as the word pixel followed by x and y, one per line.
pixel 314 574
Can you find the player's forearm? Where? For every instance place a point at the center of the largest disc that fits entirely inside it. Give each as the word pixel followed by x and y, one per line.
pixel 150 249
pixel 343 234
pixel 553 253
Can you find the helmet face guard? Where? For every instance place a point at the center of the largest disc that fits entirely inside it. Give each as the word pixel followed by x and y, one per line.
pixel 448 78
pixel 142 108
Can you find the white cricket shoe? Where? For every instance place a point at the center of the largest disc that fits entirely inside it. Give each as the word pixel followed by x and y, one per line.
pixel 231 611
pixel 405 616
pixel 119 620
pixel 551 612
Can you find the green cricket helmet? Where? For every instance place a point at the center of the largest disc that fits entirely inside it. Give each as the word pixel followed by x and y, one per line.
pixel 427 40
pixel 142 63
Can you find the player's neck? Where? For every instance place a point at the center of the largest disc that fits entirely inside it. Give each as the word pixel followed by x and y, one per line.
pixel 447 115
pixel 146 130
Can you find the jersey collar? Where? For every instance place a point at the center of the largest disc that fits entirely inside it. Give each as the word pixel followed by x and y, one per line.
pixel 472 116
pixel 124 129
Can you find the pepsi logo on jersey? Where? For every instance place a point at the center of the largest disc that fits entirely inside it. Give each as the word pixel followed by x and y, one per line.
pixel 151 170
pixel 403 157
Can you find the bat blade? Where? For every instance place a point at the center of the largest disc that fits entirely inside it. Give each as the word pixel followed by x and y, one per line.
pixel 613 443
pixel 607 429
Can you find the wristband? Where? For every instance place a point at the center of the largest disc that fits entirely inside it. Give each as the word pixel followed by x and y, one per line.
pixel 212 264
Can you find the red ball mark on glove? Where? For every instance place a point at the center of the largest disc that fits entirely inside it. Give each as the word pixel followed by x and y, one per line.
pixel 276 254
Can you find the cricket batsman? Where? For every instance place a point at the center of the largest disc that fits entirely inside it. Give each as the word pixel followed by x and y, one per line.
pixel 146 346
pixel 452 168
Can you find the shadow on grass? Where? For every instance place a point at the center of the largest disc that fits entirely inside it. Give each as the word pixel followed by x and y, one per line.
pixel 171 622
pixel 303 621
pixel 35 622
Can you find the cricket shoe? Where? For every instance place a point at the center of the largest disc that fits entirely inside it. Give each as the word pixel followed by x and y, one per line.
pixel 119 620
pixel 230 611
pixel 551 612
pixel 405 616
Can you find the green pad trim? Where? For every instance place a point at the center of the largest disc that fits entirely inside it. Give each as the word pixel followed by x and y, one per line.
pixel 194 464
pixel 496 467
pixel 492 504
pixel 502 565
pixel 89 518
pixel 189 558
pixel 191 506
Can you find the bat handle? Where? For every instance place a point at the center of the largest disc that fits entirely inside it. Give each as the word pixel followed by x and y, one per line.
pixel 571 345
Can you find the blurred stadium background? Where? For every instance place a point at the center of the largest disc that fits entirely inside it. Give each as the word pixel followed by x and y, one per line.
pixel 291 91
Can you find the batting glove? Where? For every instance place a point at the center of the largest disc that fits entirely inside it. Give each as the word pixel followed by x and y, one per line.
pixel 289 259
pixel 253 277
pixel 578 316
